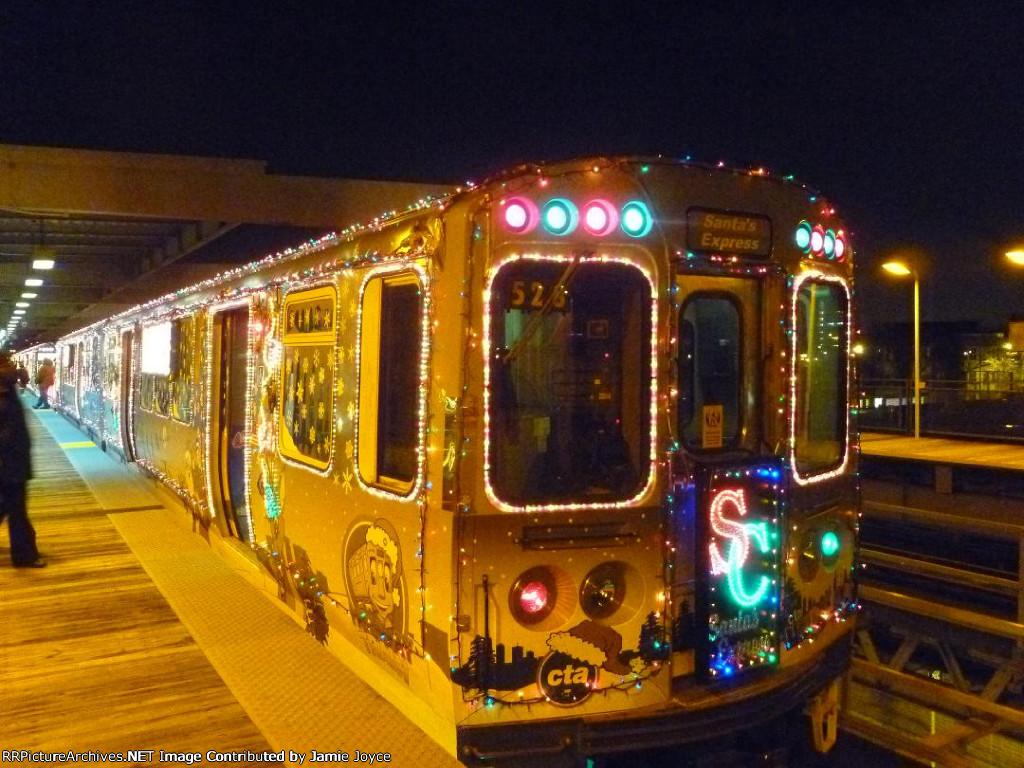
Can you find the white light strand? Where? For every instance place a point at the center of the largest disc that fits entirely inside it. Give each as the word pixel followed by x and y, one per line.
pixel 486 351
pixel 799 280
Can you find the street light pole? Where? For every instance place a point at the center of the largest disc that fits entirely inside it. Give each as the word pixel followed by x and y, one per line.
pixel 917 357
pixel 900 269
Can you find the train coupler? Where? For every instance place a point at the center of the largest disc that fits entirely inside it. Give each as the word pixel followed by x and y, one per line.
pixel 824 713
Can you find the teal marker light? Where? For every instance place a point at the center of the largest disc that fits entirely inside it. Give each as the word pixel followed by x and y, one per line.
pixel 829 544
pixel 560 216
pixel 830 242
pixel 636 219
pixel 803 236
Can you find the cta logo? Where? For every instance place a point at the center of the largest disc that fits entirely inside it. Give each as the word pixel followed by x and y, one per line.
pixel 566 680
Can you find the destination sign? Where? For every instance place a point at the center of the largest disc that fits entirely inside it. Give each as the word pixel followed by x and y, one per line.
pixel 721 232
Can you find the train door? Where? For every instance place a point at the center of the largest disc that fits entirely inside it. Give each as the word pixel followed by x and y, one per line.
pixel 717 371
pixel 717 367
pixel 127 414
pixel 231 350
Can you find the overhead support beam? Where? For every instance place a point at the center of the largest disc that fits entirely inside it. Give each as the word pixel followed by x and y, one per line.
pixel 45 180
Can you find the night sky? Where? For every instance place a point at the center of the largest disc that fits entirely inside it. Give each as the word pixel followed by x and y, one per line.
pixel 908 116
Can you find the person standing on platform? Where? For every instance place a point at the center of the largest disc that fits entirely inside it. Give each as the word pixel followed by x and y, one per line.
pixel 44 380
pixel 15 469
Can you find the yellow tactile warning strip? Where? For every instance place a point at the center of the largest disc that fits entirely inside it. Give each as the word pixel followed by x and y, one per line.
pixel 84 444
pixel 92 658
pixel 300 696
pixel 941 451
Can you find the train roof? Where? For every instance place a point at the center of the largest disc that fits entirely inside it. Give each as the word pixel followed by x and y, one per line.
pixel 650 169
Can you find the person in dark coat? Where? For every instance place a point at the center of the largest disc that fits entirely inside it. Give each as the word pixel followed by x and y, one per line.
pixel 15 469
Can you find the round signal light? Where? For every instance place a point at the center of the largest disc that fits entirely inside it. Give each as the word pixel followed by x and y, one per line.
pixel 817 240
pixel 636 219
pixel 829 544
pixel 560 216
pixel 840 246
pixel 830 547
pixel 533 596
pixel 803 236
pixel 520 215
pixel 600 217
pixel 829 244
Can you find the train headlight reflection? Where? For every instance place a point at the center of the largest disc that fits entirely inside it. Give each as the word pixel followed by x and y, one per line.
pixel 603 590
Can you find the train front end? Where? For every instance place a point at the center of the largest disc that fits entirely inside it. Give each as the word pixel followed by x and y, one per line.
pixel 657 511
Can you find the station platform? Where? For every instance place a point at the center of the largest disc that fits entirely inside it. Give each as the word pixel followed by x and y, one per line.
pixel 975 453
pixel 139 636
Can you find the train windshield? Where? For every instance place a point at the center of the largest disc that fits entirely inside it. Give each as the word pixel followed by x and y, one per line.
pixel 570 382
pixel 821 362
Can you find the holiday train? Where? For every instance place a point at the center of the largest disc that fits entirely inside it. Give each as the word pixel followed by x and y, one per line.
pixel 566 457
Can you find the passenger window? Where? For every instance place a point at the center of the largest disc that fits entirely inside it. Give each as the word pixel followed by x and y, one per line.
pixel 709 373
pixel 180 383
pixel 390 348
pixel 156 368
pixel 307 381
pixel 821 366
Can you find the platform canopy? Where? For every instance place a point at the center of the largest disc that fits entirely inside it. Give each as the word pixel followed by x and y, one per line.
pixel 121 228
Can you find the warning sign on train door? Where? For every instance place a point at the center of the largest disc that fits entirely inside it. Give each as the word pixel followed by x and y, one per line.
pixel 712 434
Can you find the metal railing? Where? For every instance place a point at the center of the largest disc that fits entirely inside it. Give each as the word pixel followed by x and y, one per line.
pixel 940 663
pixel 955 408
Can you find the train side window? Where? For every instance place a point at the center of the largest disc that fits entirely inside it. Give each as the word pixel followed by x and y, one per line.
pixel 390 344
pixel 180 380
pixel 307 381
pixel 156 367
pixel 709 375
pixel 821 366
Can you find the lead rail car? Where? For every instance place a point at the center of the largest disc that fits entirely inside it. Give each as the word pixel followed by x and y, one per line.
pixel 562 462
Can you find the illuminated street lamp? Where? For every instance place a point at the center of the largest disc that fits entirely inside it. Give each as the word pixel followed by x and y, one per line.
pixel 900 269
pixel 1016 256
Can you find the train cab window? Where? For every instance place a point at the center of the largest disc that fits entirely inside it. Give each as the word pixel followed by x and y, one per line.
pixel 821 368
pixel 155 368
pixel 569 382
pixel 390 347
pixel 307 389
pixel 709 375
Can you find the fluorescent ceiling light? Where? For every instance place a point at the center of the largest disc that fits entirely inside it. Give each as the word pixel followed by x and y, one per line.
pixel 22 304
pixel 42 264
pixel 33 281
pixel 19 312
pixel 29 295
